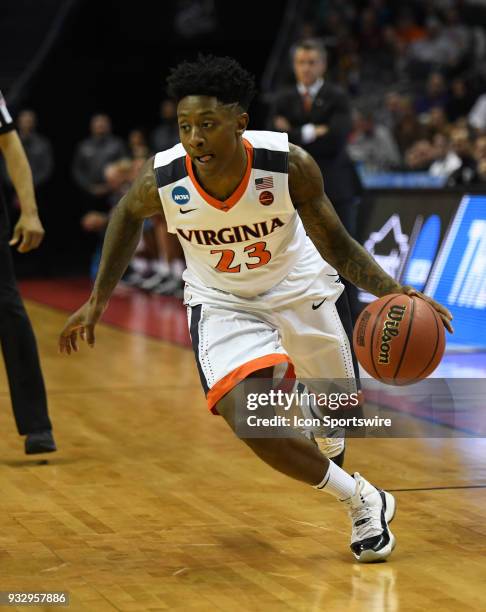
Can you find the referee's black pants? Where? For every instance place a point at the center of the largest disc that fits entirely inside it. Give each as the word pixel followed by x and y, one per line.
pixel 27 390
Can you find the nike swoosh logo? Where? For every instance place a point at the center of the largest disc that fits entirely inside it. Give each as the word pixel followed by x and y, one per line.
pixel 316 306
pixel 338 280
pixel 183 212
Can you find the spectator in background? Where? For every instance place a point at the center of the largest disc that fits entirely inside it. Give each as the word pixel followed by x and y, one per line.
pixel 462 146
pixel 167 270
pixel 407 30
pixel 161 273
pixel 166 135
pixel 334 24
pixel 37 148
pixel 478 44
pixel 435 51
pixel 382 10
pixel 389 115
pixel 370 31
pixel 446 160
pixel 435 94
pixel 479 152
pixel 348 63
pixel 480 177
pixel 137 144
pixel 91 158
pixel 317 116
pixel 462 143
pixel 408 129
pixel 480 148
pixel 460 100
pixel 457 34
pixel 372 145
pixel 436 122
pixel 477 116
pixel 419 156
pixel 117 177
pixel 401 36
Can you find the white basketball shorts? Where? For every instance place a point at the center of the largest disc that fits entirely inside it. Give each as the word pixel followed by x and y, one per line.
pixel 296 322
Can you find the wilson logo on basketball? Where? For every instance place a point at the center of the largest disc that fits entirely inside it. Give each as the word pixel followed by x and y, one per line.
pixel 266 198
pixel 391 329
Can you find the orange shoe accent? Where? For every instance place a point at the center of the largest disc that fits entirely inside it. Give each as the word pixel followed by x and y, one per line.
pixel 228 382
pixel 236 195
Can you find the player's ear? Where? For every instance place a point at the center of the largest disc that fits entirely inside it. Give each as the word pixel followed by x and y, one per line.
pixel 242 123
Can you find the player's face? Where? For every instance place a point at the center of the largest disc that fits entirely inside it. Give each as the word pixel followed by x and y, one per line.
pixel 210 132
pixel 309 65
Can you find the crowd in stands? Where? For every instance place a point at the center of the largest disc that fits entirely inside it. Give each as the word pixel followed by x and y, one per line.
pixel 104 166
pixel 416 72
pixel 416 76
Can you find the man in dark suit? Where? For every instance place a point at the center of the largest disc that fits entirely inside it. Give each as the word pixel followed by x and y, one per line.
pixel 317 116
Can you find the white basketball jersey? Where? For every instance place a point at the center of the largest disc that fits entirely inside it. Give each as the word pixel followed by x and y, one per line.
pixel 248 243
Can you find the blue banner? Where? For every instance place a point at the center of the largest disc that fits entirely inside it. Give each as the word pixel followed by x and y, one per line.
pixel 458 278
pixel 400 180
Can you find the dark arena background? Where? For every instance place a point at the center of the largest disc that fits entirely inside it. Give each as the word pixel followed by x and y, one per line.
pixel 71 59
pixel 150 502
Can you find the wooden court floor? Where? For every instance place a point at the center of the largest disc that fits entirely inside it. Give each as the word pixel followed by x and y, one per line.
pixel 152 504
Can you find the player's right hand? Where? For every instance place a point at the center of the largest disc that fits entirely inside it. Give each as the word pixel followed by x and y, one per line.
pixel 83 321
pixel 444 313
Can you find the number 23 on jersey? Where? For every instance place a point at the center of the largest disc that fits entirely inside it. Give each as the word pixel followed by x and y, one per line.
pixel 255 251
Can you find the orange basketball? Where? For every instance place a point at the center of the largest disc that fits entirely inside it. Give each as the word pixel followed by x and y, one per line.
pixel 399 339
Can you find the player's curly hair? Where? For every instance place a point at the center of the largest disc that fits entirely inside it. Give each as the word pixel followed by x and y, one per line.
pixel 221 77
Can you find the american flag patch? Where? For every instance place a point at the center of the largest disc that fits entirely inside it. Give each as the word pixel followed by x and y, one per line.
pixel 265 182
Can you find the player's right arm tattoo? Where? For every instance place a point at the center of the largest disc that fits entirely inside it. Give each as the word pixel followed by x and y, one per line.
pixel 326 231
pixel 124 230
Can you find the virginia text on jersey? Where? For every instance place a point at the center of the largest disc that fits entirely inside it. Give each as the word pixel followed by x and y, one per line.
pixel 258 220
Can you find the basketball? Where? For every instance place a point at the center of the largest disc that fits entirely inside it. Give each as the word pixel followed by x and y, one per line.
pixel 399 339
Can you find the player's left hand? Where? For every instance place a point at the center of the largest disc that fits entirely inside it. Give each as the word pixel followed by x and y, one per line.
pixel 445 314
pixel 28 232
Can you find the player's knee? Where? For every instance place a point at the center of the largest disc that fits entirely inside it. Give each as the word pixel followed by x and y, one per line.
pixel 231 406
pixel 227 409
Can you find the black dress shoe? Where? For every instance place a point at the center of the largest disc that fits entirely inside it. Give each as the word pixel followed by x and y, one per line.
pixel 40 442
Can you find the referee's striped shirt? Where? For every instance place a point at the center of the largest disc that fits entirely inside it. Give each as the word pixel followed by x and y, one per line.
pixel 6 121
pixel 6 125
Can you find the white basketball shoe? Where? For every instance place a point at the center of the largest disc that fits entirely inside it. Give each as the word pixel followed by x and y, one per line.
pixel 371 510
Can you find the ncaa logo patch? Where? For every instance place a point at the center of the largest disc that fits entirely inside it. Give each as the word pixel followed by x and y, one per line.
pixel 180 195
pixel 266 198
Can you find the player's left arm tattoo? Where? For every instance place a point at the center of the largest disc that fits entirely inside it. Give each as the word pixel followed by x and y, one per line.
pixel 326 231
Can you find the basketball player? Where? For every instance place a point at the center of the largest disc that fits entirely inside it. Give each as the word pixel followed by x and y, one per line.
pixel 259 291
